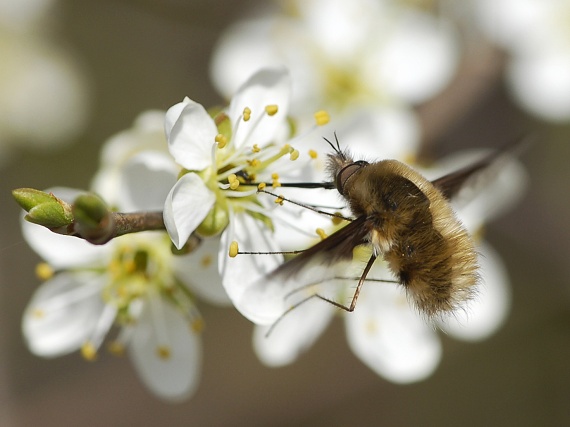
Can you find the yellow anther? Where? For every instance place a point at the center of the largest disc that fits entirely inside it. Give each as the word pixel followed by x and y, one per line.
pixel 321 233
pixel 44 271
pixel 38 313
pixel 130 266
pixel 234 249
pixel 294 155
pixel 261 186
pixel 313 154
pixel 88 351
pixel 197 325
pixel 254 163
pixel 274 176
pixel 116 348
pixel 206 261
pixel 371 326
pixel 163 352
pixel 246 114
pixel 233 180
pixel 336 220
pixel 279 200
pixel 272 109
pixel 322 117
pixel 221 140
pixel 256 148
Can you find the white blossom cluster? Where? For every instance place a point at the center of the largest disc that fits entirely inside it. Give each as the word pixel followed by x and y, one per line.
pixel 368 63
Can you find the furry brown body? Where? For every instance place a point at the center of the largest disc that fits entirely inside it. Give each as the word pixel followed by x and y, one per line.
pixel 412 225
pixel 409 221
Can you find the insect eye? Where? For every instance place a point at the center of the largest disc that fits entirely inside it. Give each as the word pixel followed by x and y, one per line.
pixel 346 172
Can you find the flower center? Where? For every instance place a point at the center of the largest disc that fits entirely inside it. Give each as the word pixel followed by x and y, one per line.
pixel 240 157
pixel 138 266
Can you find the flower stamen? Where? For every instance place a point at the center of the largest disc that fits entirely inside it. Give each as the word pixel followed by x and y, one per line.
pixel 163 352
pixel 271 109
pixel 321 233
pixel 322 117
pixel 44 271
pixel 246 114
pixel 234 249
pixel 221 140
pixel 89 351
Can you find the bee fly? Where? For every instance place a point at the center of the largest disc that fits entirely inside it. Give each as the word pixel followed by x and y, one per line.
pixel 409 221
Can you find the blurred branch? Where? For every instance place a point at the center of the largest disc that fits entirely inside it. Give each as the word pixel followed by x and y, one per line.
pixel 477 75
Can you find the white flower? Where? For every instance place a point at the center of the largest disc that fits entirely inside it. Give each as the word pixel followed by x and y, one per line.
pixel 342 53
pixel 38 79
pixel 384 331
pixel 134 282
pixel 146 135
pixel 222 157
pixel 537 37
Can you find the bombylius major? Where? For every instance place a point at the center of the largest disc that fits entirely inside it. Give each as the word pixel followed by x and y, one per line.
pixel 409 221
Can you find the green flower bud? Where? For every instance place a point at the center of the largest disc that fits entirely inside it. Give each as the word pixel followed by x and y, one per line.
pixel 43 208
pixel 92 218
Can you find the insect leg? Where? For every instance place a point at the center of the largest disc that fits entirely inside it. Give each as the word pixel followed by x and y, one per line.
pixel 356 291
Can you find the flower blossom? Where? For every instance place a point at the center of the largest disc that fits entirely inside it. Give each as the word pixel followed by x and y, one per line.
pixel 39 79
pixel 223 159
pixel 343 54
pixel 535 34
pixel 134 282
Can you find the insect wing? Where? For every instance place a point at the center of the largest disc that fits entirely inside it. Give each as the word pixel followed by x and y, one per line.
pixel 314 271
pixel 452 183
pixel 336 247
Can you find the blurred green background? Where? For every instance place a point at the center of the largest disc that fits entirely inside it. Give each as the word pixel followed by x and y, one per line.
pixel 138 55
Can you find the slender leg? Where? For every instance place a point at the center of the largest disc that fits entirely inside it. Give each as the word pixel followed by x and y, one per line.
pixel 330 301
pixel 356 291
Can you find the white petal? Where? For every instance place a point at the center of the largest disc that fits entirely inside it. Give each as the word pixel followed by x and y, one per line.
pixel 199 271
pixel 417 59
pixel 339 27
pixel 541 83
pixel 389 336
pixel 63 314
pixel 191 132
pixel 23 15
pixel 40 81
pixel 259 302
pixel 174 377
pixel 489 193
pixel 266 87
pixel 294 334
pixel 515 23
pixel 381 133
pixel 487 313
pixel 242 50
pixel 295 227
pixel 186 206
pixel 145 181
pixel 147 133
